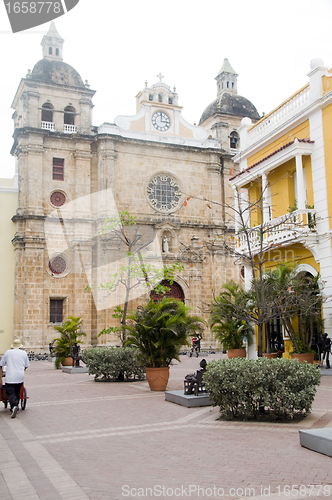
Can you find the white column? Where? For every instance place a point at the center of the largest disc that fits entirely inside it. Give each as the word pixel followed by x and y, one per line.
pixel 237 209
pixel 265 198
pixel 300 183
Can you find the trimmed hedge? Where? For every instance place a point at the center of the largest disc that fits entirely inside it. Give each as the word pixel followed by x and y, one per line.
pixel 246 388
pixel 113 363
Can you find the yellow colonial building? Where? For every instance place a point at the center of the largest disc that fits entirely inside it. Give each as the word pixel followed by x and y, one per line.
pixel 285 161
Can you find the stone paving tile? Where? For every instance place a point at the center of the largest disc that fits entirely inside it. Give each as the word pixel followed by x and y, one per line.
pixel 106 440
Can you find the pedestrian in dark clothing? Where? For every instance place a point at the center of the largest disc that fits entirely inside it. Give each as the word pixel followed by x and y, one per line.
pixel 326 349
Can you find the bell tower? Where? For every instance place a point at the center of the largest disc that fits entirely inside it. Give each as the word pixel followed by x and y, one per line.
pixel 226 79
pixel 52 44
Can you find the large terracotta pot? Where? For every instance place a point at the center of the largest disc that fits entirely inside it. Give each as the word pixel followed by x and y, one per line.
pixel 67 362
pixel 236 353
pixel 270 355
pixel 306 356
pixel 157 378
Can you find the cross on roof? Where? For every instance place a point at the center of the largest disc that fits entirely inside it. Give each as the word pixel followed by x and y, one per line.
pixel 160 76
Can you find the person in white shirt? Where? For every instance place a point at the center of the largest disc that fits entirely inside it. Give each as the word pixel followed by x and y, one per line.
pixel 16 362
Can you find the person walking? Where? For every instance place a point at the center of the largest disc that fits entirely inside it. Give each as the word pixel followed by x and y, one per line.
pixel 326 344
pixel 16 362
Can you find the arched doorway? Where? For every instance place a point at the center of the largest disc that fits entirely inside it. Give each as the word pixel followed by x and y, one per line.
pixel 175 291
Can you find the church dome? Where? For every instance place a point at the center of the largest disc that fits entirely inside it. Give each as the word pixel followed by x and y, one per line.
pixel 58 72
pixel 230 104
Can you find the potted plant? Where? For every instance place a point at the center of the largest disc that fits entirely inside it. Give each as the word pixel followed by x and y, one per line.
pixel 226 322
pixel 70 330
pixel 158 331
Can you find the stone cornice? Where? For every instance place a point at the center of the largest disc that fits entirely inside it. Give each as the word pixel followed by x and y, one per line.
pixel 21 217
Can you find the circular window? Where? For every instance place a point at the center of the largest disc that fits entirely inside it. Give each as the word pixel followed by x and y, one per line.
pixel 57 265
pixel 164 193
pixel 58 198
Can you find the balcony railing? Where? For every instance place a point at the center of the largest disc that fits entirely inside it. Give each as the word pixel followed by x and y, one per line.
pixel 48 126
pixel 278 231
pixel 280 115
pixel 69 129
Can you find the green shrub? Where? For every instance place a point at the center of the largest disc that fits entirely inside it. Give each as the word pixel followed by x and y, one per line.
pixel 246 388
pixel 113 363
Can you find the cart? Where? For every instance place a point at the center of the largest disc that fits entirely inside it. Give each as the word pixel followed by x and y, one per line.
pixel 23 397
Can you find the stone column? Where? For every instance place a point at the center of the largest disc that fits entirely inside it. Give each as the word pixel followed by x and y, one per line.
pixel 214 169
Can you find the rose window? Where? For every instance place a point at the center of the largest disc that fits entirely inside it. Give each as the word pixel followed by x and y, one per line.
pixel 57 265
pixel 58 199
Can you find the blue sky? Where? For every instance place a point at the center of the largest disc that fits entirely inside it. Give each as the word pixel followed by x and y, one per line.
pixel 116 46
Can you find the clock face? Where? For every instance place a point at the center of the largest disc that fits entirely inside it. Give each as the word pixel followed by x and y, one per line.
pixel 161 121
pixel 164 193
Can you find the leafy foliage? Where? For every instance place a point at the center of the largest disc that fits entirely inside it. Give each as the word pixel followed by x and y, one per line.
pixel 225 322
pixel 159 331
pixel 247 388
pixel 113 363
pixel 297 298
pixel 137 272
pixel 70 330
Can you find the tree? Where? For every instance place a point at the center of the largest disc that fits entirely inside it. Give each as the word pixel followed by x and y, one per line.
pixel 253 246
pixel 297 298
pixel 138 272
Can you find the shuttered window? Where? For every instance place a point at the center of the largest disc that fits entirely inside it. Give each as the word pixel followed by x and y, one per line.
pixel 56 310
pixel 58 169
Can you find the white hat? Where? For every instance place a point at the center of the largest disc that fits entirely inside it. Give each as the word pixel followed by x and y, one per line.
pixel 16 344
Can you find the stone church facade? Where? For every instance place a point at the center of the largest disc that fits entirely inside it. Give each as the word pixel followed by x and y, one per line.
pixel 171 175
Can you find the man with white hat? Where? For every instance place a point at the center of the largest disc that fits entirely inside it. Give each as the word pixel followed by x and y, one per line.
pixel 16 362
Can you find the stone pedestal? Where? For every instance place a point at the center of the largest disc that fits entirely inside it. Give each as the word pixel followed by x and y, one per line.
pixel 75 369
pixel 319 440
pixel 188 400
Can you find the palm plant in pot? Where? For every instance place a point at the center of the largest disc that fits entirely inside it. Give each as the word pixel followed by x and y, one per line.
pixel 70 330
pixel 226 322
pixel 158 331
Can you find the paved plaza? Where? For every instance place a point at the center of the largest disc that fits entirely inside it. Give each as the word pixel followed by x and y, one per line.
pixel 78 439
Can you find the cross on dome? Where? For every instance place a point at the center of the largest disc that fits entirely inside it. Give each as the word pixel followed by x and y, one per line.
pixel 160 76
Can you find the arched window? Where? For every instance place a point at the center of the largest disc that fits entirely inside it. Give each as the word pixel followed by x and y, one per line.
pixel 150 97
pixel 175 291
pixel 160 97
pixel 50 51
pixel 47 112
pixel 69 118
pixel 170 100
pixel 56 52
pixel 234 140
